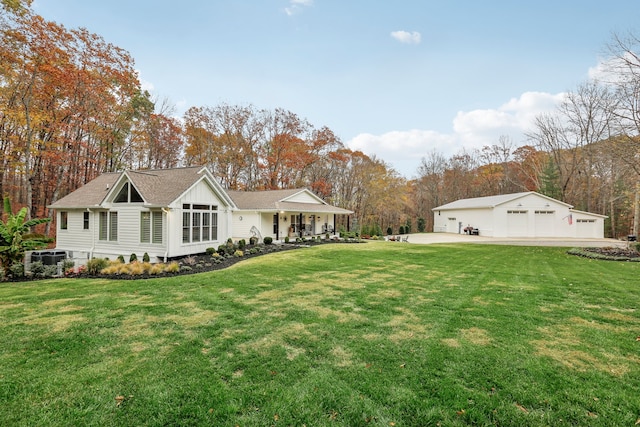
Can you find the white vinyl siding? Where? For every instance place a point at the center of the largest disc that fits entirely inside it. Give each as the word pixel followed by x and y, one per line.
pixel 159 234
pixel 75 237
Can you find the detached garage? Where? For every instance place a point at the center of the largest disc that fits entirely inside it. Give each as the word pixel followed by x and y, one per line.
pixel 527 214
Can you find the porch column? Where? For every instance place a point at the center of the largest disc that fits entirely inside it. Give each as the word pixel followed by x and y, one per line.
pixel 300 225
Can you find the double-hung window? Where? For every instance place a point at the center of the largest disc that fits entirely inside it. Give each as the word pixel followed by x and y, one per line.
pixel 199 223
pixel 64 220
pixel 151 227
pixel 108 226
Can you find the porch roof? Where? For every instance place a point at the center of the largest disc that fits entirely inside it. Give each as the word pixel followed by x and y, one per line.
pixel 309 207
pixel 276 201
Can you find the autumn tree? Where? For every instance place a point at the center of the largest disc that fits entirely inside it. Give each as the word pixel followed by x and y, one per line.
pixel 17 7
pixel 65 95
pixel 284 152
pixel 588 112
pixel 429 187
pixel 227 138
pixel 156 138
pixel 624 76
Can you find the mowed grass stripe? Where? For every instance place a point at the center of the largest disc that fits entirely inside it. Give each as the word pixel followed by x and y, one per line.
pixel 362 334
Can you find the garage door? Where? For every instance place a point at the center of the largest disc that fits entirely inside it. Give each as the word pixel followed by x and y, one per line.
pixel 586 228
pixel 452 225
pixel 517 223
pixel 544 223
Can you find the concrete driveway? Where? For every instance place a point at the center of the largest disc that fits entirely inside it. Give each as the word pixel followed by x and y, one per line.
pixel 429 238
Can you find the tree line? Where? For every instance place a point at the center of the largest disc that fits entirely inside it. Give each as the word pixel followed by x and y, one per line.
pixel 585 153
pixel 72 107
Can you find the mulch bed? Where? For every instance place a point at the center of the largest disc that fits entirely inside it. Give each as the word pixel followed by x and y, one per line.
pixel 608 253
pixel 201 263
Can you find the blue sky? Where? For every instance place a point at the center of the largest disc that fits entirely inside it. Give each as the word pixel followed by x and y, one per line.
pixel 396 79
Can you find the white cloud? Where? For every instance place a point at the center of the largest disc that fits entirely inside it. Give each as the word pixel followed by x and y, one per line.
pixel 295 6
pixel 516 115
pixel 144 84
pixel 614 70
pixel 403 150
pixel 407 37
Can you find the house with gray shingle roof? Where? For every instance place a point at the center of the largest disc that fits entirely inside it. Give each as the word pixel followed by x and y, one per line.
pixel 165 213
pixel 527 214
pixel 170 213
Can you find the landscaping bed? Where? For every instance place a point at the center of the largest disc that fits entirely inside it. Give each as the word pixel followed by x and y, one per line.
pixel 203 262
pixel 609 253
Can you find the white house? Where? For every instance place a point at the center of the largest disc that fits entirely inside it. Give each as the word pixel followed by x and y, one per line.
pixel 175 212
pixel 282 213
pixel 165 213
pixel 527 214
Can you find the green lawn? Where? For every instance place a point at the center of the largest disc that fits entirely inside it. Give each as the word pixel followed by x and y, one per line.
pixel 376 334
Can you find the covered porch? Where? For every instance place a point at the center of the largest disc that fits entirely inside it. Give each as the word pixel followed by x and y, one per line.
pixel 281 225
pixel 282 214
pixel 305 224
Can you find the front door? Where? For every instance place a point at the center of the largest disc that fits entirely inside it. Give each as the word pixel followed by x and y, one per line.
pixel 276 226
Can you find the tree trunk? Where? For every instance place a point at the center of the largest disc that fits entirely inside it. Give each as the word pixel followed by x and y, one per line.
pixel 636 210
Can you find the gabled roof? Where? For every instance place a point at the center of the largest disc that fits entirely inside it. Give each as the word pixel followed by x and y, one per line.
pixel 89 195
pixel 281 200
pixel 491 201
pixel 158 187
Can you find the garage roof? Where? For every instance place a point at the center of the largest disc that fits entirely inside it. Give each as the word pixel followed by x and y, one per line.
pixel 491 201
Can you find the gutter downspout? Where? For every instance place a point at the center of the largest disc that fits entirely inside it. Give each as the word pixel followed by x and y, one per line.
pixel 166 248
pixel 93 234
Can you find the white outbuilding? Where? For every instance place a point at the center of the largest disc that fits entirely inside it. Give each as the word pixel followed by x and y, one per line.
pixel 527 214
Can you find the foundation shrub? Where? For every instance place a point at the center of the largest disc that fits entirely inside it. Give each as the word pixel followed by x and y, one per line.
pixel 136 268
pixel 157 269
pixel 37 268
pixel 172 267
pixel 16 270
pixel 95 265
